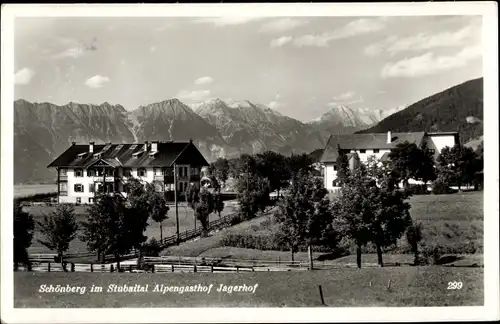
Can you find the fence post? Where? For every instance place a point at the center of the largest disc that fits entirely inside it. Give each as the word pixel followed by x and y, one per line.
pixel 237 269
pixel 130 268
pixel 172 267
pixel 72 267
pixel 153 268
pixel 211 268
pixel 48 267
pixel 111 268
pixel 91 267
pixel 194 268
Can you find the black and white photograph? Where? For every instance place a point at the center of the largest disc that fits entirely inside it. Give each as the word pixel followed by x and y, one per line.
pixel 292 162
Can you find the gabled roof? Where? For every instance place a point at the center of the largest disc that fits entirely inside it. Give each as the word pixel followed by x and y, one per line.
pixel 366 141
pixel 116 155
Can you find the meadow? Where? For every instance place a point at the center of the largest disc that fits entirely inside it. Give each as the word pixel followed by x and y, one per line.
pixel 31 189
pixel 453 223
pixel 186 222
pixel 410 286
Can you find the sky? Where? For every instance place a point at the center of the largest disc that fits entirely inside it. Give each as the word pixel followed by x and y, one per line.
pixel 299 66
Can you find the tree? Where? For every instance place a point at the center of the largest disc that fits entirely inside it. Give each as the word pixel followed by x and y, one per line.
pixel 342 164
pixel 59 230
pixel 414 236
pixel 366 212
pixel 23 234
pixel 408 161
pixel 304 214
pixel 218 203
pixel 158 209
pixel 203 207
pixel 272 166
pixel 115 226
pixel 298 162
pixel 220 170
pixel 457 165
pixel 253 195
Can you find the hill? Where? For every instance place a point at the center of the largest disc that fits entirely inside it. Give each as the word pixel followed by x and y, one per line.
pixel 459 108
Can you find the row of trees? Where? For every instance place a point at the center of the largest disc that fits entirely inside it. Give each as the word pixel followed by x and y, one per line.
pixel 457 165
pixel 362 212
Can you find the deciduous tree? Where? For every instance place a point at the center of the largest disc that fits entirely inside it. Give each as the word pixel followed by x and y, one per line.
pixel 408 161
pixel 272 166
pixel 59 230
pixel 23 234
pixel 457 165
pixel 304 213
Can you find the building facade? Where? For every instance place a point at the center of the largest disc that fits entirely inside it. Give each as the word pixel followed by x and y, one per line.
pixel 84 170
pixel 378 145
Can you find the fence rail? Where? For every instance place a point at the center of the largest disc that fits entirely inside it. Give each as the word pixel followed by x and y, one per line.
pixel 220 223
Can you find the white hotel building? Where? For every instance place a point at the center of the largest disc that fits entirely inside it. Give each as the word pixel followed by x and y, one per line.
pixel 378 145
pixel 83 170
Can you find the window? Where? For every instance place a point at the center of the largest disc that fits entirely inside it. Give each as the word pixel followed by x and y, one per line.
pixel 90 173
pixel 78 188
pixel 91 200
pixel 362 151
pixel 376 150
pixel 63 172
pixel 78 173
pixel 63 186
pixel 78 200
pixel 127 172
pixel 91 187
pixel 158 171
pixel 141 172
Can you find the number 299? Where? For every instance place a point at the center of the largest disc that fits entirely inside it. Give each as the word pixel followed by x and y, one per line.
pixel 455 285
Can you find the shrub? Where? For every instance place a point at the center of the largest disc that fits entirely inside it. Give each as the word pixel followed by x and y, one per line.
pixel 151 248
pixel 418 189
pixel 439 187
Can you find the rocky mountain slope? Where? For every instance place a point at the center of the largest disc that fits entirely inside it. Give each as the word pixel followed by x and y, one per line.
pixel 459 108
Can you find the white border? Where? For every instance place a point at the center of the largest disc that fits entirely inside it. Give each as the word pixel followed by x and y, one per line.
pixel 490 311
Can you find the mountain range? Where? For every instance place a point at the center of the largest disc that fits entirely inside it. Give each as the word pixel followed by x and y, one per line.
pixel 42 131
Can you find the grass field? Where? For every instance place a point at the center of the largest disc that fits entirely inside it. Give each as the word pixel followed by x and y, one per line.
pixel 451 221
pixel 410 286
pixel 26 190
pixel 186 222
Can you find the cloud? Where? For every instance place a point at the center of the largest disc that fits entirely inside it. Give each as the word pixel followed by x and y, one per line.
pixel 428 63
pixel 344 96
pixel 204 80
pixel 24 76
pixel 354 28
pixel 282 25
pixel 194 95
pixel 152 49
pixel 425 41
pixel 74 48
pixel 278 42
pixel 97 81
pixel 228 20
pixel 275 104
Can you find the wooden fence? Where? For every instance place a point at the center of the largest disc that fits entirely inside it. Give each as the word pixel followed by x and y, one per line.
pixel 220 223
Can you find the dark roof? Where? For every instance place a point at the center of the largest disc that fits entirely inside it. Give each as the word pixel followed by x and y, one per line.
pixel 123 155
pixel 366 141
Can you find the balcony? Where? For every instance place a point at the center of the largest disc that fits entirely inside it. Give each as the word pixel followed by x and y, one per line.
pixel 103 179
pixel 63 193
pixel 63 177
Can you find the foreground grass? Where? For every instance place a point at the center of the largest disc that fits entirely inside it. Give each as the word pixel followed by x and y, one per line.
pixel 410 286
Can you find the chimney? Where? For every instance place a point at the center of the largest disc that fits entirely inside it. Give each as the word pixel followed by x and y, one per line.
pixel 389 137
pixel 154 146
pixel 91 147
pixel 146 146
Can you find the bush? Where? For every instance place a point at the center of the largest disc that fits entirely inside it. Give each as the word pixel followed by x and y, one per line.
pixel 440 188
pixel 37 197
pixel 151 247
pixel 418 189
